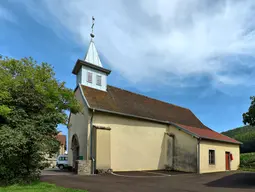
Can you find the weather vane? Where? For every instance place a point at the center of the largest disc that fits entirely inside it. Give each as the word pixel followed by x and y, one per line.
pixel 92 28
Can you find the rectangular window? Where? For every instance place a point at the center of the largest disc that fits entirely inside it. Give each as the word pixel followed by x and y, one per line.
pixel 89 77
pixel 99 80
pixel 211 157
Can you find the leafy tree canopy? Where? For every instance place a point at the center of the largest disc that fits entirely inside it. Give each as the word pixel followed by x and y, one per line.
pixel 32 104
pixel 249 117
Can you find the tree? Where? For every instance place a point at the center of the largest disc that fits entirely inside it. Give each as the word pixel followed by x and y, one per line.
pixel 249 117
pixel 32 104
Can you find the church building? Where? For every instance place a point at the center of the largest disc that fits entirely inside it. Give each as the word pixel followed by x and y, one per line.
pixel 120 130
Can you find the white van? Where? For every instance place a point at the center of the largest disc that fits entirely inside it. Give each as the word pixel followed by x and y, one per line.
pixel 62 162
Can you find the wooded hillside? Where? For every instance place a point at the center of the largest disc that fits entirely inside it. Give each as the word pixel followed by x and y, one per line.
pixel 246 135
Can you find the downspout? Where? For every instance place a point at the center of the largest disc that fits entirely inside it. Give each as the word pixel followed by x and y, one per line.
pixel 91 143
pixel 198 155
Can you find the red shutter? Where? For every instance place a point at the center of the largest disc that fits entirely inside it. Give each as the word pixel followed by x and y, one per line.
pixel 89 77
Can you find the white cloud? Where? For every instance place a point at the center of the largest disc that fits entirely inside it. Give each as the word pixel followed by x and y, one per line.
pixel 6 14
pixel 177 39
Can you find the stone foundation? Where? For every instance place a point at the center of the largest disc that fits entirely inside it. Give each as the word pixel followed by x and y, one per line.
pixel 100 171
pixel 83 167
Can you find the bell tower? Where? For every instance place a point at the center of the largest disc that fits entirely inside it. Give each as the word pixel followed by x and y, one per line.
pixel 90 71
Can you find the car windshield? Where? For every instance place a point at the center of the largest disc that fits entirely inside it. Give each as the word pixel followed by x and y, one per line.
pixel 62 158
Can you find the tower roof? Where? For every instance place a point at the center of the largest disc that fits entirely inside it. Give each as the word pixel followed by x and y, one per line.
pixel 80 63
pixel 92 55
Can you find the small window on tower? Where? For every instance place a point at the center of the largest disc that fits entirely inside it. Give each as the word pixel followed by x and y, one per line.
pixel 89 77
pixel 99 80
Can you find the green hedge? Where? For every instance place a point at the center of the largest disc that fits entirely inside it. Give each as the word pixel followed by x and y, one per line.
pixel 247 160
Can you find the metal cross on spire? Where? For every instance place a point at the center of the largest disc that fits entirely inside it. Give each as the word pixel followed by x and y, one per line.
pixel 92 28
pixel 92 54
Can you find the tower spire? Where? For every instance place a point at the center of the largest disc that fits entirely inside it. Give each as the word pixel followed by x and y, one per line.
pixel 92 54
pixel 90 71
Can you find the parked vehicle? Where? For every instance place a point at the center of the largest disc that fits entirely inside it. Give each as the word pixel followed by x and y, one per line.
pixel 62 162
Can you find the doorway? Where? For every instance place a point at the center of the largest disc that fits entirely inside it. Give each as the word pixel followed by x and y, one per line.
pixel 75 149
pixel 227 159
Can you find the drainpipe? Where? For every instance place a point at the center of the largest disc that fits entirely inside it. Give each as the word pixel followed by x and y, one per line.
pixel 198 155
pixel 91 143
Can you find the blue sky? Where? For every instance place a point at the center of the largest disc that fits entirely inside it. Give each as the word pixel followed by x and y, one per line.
pixel 189 53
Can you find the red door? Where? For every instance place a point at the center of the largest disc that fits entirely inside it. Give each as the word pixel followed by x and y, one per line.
pixel 227 161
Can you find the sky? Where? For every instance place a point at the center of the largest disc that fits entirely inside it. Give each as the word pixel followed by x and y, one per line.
pixel 192 53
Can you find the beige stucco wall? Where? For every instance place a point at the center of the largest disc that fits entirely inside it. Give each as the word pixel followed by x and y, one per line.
pixel 103 149
pixel 185 155
pixel 142 145
pixel 135 144
pixel 78 125
pixel 220 149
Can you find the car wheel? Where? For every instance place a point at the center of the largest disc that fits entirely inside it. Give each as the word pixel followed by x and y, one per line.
pixel 61 167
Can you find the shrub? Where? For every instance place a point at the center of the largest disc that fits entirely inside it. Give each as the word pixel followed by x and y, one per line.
pixel 32 104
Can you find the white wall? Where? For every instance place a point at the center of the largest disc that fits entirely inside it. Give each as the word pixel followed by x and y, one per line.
pixel 78 78
pixel 83 78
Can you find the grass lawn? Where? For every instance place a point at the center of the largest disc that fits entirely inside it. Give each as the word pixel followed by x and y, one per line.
pixel 247 169
pixel 37 187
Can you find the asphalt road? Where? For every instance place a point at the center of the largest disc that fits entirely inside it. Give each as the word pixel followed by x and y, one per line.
pixel 163 182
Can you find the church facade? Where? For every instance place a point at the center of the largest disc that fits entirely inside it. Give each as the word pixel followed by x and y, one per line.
pixel 124 131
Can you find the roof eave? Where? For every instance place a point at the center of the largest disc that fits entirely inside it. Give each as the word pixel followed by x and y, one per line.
pixel 83 96
pixel 79 63
pixel 202 137
pixel 128 115
pixel 220 140
pixel 69 117
pixel 164 122
pixel 150 119
pixel 184 130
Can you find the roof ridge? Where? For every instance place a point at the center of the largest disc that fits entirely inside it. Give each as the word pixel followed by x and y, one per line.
pixel 149 97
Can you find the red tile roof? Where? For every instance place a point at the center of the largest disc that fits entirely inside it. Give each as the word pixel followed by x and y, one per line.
pixel 61 139
pixel 125 102
pixel 207 134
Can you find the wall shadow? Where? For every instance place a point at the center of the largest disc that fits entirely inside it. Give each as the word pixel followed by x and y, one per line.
pixel 239 180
